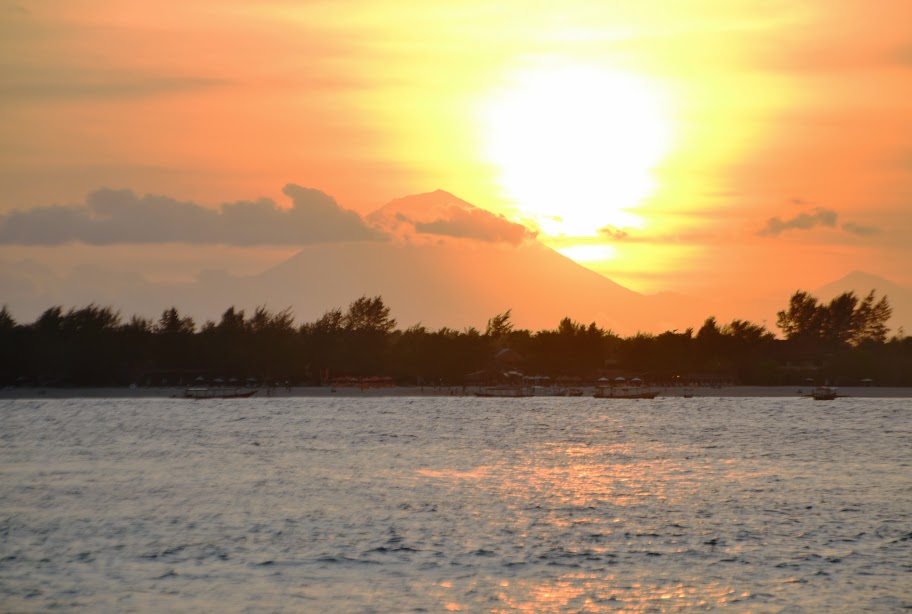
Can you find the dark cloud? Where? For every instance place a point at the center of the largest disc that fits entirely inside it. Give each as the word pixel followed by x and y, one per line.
pixel 803 221
pixel 858 229
pixel 474 223
pixel 612 232
pixel 120 216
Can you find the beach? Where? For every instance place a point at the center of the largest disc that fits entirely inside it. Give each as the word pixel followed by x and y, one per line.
pixel 882 392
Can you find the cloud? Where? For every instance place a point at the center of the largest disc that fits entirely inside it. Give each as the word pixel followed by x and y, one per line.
pixel 476 224
pixel 437 215
pixel 858 229
pixel 803 221
pixel 612 232
pixel 120 216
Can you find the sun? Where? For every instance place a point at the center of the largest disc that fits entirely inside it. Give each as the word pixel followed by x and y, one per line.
pixel 574 146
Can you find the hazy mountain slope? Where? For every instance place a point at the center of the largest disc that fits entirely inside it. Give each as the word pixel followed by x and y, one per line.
pixel 861 283
pixel 447 263
pixel 451 284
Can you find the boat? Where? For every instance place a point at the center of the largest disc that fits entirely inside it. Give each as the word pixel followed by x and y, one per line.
pixel 824 393
pixel 200 393
pixel 558 392
pixel 625 392
pixel 503 392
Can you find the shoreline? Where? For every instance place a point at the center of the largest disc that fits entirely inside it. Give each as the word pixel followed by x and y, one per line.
pixel 430 391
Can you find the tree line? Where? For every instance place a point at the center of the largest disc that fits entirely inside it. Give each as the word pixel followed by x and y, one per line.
pixel 842 342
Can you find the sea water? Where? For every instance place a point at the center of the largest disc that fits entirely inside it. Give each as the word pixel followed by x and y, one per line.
pixel 427 504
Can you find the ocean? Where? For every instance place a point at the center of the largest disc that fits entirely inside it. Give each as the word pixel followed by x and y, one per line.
pixel 434 504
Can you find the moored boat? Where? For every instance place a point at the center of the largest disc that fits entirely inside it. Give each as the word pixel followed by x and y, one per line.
pixel 824 393
pixel 200 393
pixel 503 392
pixel 625 392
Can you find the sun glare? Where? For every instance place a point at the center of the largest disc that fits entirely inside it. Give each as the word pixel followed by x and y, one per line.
pixel 589 253
pixel 575 146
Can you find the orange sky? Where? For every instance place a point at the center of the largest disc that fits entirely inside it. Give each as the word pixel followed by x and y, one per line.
pixel 741 146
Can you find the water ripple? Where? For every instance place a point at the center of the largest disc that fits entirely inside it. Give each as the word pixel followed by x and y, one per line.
pixel 427 504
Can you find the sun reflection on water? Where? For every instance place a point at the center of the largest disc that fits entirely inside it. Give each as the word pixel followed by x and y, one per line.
pixel 606 507
pixel 590 593
pixel 586 476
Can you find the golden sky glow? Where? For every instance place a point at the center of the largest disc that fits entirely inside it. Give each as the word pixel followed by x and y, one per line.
pixel 670 146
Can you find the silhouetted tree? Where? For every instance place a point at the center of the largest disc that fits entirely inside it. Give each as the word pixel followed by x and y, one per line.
pixel 93 350
pixel 709 334
pixel 748 351
pixel 136 339
pixel 572 349
pixel 7 323
pixel 329 323
pixel 321 352
pixel 10 350
pixel 138 325
pixel 803 320
pixel 710 347
pixel 175 342
pixel 226 345
pixel 369 314
pixel 870 320
pixel 50 322
pixel 843 341
pixel 273 337
pixel 499 325
pixel 747 333
pixel 840 323
pixel 232 322
pixel 356 343
pixel 171 323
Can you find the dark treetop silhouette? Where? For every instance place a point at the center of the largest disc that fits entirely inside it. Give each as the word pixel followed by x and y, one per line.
pixel 844 341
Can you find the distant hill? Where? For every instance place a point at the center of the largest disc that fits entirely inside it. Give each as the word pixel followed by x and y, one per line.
pixel 861 283
pixel 449 280
pixel 457 285
pixel 453 264
pixel 446 263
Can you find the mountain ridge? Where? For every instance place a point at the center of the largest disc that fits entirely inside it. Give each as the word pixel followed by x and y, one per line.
pixel 446 263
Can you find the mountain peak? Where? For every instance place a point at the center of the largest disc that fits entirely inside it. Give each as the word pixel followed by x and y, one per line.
pixel 419 206
pixel 440 216
pixel 861 283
